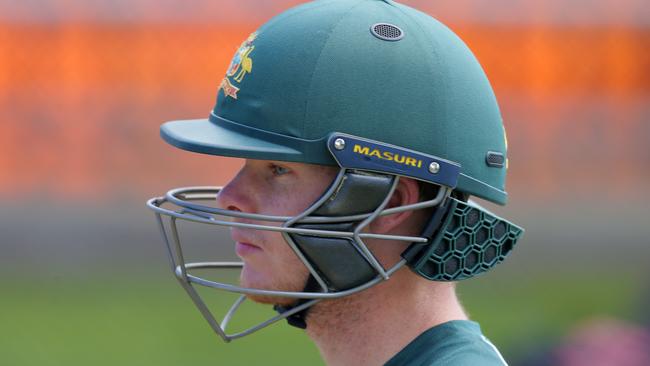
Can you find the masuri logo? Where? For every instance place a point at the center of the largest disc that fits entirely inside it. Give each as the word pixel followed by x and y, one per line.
pixel 388 155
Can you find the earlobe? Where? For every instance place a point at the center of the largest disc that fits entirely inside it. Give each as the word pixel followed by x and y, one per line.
pixel 407 192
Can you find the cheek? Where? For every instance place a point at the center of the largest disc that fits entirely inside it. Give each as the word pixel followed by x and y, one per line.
pixel 279 268
pixel 288 202
pixel 290 199
pixel 282 256
pixel 277 260
pixel 388 253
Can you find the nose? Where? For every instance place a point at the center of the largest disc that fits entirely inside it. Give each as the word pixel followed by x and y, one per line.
pixel 237 195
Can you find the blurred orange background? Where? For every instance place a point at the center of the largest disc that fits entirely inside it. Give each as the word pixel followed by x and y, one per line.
pixel 83 91
pixel 85 85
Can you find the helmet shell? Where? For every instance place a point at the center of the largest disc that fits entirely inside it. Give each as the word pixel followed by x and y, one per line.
pixel 318 68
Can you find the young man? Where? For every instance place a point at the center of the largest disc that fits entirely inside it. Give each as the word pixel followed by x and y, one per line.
pixel 365 126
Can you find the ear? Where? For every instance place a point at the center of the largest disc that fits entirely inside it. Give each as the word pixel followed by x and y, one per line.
pixel 407 192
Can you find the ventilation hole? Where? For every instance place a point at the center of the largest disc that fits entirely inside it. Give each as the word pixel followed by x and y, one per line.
pixel 490 254
pixel 462 242
pixel 481 235
pixel 387 32
pixel 443 248
pixel 452 266
pixel 495 159
pixel 472 259
pixel 431 269
pixel 500 230
pixel 507 247
pixel 472 218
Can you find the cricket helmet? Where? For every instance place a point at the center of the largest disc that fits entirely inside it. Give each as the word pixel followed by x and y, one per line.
pixel 382 91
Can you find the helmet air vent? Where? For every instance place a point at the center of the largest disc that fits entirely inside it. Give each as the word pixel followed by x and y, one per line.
pixel 387 32
pixel 495 159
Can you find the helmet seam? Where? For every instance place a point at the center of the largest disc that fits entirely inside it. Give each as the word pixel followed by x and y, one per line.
pixel 318 59
pixel 434 60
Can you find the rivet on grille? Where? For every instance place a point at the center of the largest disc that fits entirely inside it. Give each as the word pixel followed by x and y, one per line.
pixel 339 144
pixel 434 167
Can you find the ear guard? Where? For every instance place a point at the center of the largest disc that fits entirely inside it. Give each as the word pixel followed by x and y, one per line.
pixel 339 261
pixel 466 240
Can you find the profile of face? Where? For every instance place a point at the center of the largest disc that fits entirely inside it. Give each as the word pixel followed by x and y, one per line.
pixel 272 188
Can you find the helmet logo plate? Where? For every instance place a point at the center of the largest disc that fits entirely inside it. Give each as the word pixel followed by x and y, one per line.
pixel 365 154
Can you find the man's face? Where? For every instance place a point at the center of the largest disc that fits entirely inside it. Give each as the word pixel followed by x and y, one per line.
pixel 272 188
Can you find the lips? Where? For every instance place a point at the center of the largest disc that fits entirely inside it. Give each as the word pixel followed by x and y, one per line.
pixel 246 249
pixel 244 245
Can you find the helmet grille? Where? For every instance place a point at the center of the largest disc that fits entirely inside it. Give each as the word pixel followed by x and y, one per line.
pixel 387 32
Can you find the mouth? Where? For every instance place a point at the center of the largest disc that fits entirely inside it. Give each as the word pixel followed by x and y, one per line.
pixel 246 249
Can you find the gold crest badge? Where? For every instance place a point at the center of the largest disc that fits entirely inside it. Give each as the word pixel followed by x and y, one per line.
pixel 240 66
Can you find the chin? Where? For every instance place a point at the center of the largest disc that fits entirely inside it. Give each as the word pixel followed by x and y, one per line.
pixel 250 278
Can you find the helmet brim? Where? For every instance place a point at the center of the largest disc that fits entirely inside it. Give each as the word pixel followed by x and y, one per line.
pixel 206 137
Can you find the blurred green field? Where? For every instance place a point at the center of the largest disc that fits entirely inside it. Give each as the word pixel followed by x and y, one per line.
pixel 108 320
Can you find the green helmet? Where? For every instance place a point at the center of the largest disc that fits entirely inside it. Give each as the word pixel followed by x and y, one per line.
pixel 382 91
pixel 375 69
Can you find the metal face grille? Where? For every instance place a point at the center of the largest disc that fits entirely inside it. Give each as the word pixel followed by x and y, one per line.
pixel 387 32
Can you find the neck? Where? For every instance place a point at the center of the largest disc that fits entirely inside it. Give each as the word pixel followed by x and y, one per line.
pixel 370 327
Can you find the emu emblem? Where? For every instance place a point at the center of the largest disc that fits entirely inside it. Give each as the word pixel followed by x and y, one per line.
pixel 240 65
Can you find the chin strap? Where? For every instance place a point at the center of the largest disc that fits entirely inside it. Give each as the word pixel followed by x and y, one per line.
pixel 299 319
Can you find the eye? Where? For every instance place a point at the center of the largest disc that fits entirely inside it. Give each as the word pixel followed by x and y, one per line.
pixel 279 170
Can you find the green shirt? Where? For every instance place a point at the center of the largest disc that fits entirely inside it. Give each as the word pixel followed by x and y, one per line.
pixel 455 343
